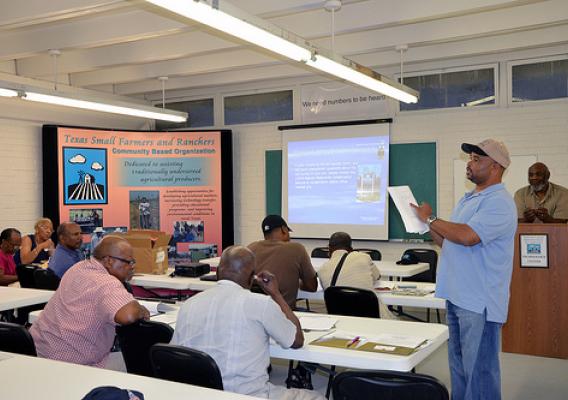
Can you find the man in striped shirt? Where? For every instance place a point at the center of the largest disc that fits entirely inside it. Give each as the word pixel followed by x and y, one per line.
pixel 78 324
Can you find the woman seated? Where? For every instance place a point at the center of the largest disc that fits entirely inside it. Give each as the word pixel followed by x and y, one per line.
pixel 37 247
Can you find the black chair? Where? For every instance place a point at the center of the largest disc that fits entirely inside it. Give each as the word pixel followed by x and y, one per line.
pixel 426 256
pixel 25 274
pixel 354 302
pixel 387 385
pixel 320 252
pixel 373 253
pixel 15 338
pixel 46 279
pixel 185 365
pixel 135 341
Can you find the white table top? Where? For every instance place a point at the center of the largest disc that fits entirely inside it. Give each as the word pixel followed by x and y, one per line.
pixel 391 299
pixel 386 268
pixel 436 334
pixel 167 282
pixel 11 297
pixel 37 378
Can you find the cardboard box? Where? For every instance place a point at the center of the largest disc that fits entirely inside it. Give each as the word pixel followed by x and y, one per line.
pixel 150 250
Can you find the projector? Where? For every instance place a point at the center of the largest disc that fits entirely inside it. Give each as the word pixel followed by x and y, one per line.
pixel 192 269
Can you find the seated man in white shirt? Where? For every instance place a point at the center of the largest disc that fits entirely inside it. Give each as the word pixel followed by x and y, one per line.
pixel 234 326
pixel 358 270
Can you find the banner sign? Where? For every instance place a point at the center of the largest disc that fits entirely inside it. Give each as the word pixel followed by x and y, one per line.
pixel 341 102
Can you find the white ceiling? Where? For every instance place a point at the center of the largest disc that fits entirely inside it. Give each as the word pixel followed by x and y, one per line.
pixel 124 46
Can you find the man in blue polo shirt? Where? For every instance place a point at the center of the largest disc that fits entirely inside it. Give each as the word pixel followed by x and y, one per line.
pixel 67 251
pixel 475 271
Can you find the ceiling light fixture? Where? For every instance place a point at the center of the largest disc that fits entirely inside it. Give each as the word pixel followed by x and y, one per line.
pixel 235 22
pixel 38 91
pixel 115 108
pixel 8 93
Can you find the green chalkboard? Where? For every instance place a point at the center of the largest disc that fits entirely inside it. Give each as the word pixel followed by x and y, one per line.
pixel 273 176
pixel 412 164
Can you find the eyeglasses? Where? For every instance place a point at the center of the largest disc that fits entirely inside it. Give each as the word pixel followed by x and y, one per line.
pixel 130 262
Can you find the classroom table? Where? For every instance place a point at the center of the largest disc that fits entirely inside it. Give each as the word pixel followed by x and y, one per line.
pixel 12 297
pixel 39 378
pixel 435 334
pixel 386 268
pixel 392 299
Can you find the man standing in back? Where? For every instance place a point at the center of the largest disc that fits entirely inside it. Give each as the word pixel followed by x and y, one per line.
pixel 475 270
pixel 542 201
pixel 288 261
pixel 67 251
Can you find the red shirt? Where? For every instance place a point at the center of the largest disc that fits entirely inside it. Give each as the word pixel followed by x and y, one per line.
pixel 7 263
pixel 77 325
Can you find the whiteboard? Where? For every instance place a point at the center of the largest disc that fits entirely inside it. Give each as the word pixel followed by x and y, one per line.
pixel 515 177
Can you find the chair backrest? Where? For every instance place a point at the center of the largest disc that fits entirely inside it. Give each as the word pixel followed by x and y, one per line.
pixel 387 385
pixel 320 252
pixel 343 300
pixel 373 253
pixel 15 338
pixel 185 365
pixel 25 274
pixel 135 341
pixel 427 256
pixel 46 279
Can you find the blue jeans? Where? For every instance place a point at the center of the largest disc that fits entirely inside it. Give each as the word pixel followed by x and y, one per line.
pixel 473 352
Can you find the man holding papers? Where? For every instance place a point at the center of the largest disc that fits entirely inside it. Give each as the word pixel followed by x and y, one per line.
pixel 475 271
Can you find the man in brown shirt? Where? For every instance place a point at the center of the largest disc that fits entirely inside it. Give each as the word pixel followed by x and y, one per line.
pixel 542 201
pixel 288 261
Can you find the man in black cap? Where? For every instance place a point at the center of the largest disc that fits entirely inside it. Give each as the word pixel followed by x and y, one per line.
pixel 288 261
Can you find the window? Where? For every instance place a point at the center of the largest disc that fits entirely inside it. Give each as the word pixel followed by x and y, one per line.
pixel 262 107
pixel 200 114
pixel 539 80
pixel 452 89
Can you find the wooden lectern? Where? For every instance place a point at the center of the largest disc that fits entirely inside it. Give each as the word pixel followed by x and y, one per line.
pixel 538 309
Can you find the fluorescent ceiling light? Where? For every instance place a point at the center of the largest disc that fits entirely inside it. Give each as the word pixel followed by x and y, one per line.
pixel 142 111
pixel 242 26
pixel 217 19
pixel 8 93
pixel 376 82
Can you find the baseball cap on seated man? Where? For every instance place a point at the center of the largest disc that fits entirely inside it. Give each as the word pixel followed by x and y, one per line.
pixel 273 221
pixel 491 148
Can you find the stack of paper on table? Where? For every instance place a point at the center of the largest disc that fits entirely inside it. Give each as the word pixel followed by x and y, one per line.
pixel 318 323
pixel 402 197
pixel 384 343
pixel 156 307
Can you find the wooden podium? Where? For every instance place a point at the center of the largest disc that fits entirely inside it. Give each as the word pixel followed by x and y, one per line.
pixel 538 309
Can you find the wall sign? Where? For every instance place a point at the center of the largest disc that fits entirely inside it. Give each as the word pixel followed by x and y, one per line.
pixel 534 250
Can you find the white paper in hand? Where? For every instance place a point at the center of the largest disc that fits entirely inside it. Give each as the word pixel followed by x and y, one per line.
pixel 402 197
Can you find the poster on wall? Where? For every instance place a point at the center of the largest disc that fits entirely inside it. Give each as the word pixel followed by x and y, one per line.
pixel 175 182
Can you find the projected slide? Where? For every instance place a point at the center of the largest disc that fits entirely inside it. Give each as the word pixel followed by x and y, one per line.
pixel 338 183
pixel 168 181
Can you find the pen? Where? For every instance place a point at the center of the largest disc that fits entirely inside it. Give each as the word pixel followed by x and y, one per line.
pixel 354 341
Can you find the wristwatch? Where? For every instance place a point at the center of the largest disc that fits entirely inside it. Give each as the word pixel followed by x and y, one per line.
pixel 431 219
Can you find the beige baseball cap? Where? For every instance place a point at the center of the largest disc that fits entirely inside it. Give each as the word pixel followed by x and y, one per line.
pixel 492 148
